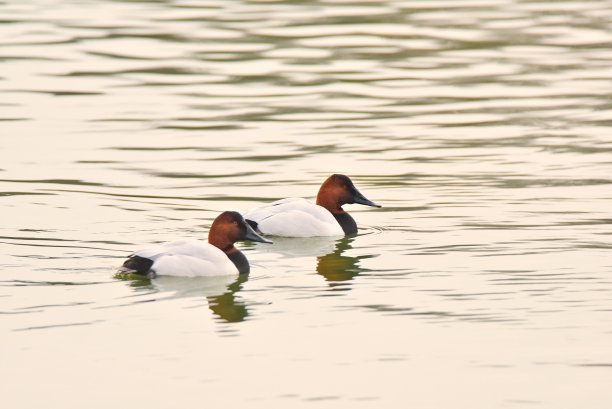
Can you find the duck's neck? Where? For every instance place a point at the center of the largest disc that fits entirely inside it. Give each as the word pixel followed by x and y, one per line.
pixel 226 246
pixel 220 241
pixel 239 260
pixel 345 221
pixel 327 199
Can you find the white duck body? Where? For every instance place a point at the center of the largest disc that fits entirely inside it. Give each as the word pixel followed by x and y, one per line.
pixel 188 258
pixel 294 217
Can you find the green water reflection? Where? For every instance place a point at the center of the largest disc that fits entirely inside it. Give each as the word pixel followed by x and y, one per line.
pixel 336 267
pixel 228 306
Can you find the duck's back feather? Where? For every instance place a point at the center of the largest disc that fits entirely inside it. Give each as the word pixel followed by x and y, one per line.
pixel 188 258
pixel 294 217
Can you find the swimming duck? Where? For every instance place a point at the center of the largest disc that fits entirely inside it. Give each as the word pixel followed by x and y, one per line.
pixel 193 258
pixel 296 217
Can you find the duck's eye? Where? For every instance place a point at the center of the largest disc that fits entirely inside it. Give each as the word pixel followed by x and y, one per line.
pixel 235 222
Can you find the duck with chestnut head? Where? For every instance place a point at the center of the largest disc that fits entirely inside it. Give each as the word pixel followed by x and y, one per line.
pixel 193 258
pixel 296 217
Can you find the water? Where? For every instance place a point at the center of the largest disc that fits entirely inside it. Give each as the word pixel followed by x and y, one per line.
pixel 482 127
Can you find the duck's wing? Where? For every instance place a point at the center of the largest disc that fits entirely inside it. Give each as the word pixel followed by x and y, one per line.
pixel 189 266
pixel 294 217
pixel 190 258
pixel 259 213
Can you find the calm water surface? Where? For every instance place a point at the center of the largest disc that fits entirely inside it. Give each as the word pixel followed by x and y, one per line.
pixel 482 127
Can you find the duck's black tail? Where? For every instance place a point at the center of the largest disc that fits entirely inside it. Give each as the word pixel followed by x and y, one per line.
pixel 137 264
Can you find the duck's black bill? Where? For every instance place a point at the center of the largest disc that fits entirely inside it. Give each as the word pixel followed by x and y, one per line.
pixel 253 236
pixel 361 199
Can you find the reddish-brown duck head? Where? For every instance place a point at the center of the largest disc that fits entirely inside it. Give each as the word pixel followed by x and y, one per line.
pixel 230 227
pixel 338 190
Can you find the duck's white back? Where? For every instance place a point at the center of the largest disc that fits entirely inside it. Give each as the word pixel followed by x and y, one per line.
pixel 295 217
pixel 188 258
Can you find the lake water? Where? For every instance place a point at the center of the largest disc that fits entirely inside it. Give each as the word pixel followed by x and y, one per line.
pixel 482 127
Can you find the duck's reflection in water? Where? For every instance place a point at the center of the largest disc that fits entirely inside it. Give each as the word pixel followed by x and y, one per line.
pixel 336 267
pixel 332 264
pixel 226 306
pixel 294 247
pixel 220 292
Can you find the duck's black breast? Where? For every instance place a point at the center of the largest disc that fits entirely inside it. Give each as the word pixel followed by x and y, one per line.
pixel 347 223
pixel 240 261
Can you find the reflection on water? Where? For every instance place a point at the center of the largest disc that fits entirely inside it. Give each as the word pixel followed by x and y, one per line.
pixel 297 247
pixel 338 267
pixel 219 291
pixel 228 306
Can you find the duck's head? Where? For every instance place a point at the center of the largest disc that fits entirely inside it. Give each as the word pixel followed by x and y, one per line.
pixel 230 227
pixel 338 190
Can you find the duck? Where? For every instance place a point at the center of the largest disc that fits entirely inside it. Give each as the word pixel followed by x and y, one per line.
pixel 297 217
pixel 194 258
